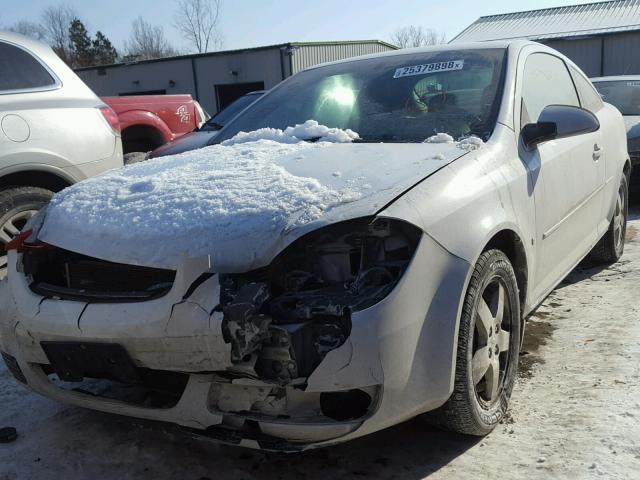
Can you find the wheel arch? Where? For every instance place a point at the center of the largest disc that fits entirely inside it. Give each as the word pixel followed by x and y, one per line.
pixel 33 177
pixel 141 129
pixel 510 243
pixel 627 169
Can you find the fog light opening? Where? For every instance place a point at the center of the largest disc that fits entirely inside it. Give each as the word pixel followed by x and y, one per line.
pixel 342 406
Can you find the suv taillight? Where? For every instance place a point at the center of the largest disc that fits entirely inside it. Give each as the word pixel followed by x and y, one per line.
pixel 112 118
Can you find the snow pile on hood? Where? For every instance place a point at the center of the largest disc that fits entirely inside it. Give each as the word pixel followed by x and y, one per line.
pixel 440 138
pixel 307 131
pixel 197 203
pixel 470 143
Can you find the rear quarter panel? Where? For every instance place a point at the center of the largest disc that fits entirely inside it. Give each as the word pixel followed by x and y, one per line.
pixel 614 138
pixel 64 126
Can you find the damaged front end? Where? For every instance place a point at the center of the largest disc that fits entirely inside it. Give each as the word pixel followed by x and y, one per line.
pixel 243 351
pixel 282 320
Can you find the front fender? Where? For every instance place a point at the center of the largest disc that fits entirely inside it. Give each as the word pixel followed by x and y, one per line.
pixel 463 205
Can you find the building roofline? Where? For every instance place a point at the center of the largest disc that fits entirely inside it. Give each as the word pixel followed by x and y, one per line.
pixel 235 51
pixel 520 12
pixel 535 10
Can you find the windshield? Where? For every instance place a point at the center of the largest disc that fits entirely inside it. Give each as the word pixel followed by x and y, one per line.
pixel 399 98
pixel 221 118
pixel 622 94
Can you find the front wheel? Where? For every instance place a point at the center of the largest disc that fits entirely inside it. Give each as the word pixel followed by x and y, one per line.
pixel 488 348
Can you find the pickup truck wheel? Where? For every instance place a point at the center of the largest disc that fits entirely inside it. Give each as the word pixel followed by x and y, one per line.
pixel 17 206
pixel 488 348
pixel 611 246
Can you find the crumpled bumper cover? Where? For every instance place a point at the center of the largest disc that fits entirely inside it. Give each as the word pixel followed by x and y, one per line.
pixel 401 351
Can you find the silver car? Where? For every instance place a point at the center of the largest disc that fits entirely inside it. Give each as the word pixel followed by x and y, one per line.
pixel 362 247
pixel 54 132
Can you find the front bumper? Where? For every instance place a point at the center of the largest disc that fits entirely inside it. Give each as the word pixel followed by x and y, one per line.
pixel 401 352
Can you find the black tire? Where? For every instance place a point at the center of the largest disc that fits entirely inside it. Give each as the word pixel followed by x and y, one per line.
pixel 16 203
pixel 134 157
pixel 468 410
pixel 611 246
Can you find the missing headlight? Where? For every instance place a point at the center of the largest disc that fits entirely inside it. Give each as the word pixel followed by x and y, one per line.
pixel 313 288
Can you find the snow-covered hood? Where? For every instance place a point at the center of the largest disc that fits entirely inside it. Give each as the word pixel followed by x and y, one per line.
pixel 240 204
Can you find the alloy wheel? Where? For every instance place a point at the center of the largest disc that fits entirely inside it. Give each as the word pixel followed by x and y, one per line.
pixel 619 220
pixel 8 230
pixel 491 342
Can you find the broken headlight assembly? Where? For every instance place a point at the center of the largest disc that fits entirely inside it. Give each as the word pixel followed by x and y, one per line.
pixel 282 320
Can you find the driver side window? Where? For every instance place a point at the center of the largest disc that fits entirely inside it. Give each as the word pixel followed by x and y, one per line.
pixel 546 81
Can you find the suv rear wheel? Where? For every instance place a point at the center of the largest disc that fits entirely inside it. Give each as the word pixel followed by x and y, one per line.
pixel 17 206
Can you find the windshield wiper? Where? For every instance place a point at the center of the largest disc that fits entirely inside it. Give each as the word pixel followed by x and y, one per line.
pixel 381 139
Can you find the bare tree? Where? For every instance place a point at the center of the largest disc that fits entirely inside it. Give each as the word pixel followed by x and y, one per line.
pixel 414 36
pixel 197 21
pixel 56 21
pixel 147 42
pixel 29 29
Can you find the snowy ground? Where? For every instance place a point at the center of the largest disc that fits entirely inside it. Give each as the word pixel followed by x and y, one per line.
pixel 575 414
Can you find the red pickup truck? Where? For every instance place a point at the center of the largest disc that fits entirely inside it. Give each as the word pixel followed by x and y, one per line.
pixel 148 121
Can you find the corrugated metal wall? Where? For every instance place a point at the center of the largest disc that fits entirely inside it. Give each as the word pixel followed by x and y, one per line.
pixel 585 52
pixel 305 56
pixel 621 54
pixel 617 51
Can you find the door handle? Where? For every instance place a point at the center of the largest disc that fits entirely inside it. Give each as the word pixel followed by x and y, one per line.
pixel 596 152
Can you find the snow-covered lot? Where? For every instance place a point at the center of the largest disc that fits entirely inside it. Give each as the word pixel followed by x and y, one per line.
pixel 575 413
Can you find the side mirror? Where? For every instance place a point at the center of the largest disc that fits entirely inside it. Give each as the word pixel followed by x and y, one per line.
pixel 558 121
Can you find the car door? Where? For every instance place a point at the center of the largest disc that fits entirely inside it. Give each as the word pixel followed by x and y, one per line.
pixel 566 174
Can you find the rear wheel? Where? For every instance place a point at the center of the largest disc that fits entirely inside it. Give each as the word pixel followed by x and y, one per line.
pixel 488 348
pixel 17 206
pixel 611 246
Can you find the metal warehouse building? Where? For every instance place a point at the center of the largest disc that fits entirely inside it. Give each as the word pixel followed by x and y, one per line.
pixel 216 79
pixel 602 38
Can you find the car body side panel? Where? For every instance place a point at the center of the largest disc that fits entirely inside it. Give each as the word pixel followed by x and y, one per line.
pixel 61 127
pixel 140 117
pixel 616 154
pixel 480 191
pixel 173 115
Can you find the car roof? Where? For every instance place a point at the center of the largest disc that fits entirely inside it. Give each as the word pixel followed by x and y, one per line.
pixel 40 48
pixel 515 44
pixel 614 78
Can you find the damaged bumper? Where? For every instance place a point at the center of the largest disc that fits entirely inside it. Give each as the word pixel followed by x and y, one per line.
pixel 209 367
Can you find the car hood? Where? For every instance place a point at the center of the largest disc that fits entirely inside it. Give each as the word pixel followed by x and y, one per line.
pixel 189 141
pixel 238 206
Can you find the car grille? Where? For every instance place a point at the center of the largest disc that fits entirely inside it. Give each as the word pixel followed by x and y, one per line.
pixel 67 275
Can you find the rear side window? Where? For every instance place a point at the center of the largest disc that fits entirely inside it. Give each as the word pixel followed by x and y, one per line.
pixel 21 71
pixel 546 82
pixel 589 98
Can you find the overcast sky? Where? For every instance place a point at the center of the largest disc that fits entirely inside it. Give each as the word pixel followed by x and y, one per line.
pixel 250 23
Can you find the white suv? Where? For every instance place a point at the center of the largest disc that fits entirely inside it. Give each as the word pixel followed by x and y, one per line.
pixel 54 131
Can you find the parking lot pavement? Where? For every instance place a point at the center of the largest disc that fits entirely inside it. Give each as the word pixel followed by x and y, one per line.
pixel 575 413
